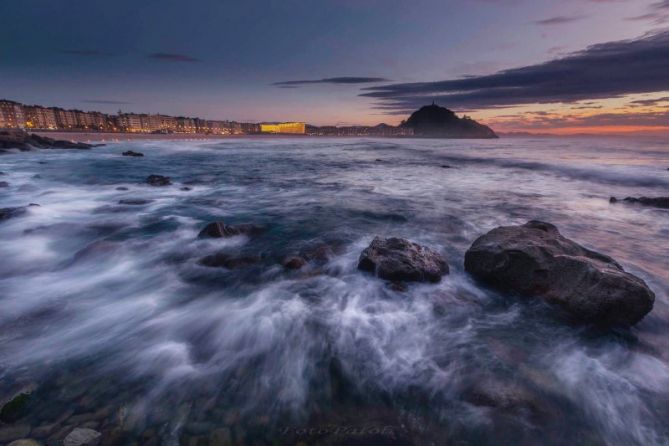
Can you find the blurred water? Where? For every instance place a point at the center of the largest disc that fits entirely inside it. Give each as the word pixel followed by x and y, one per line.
pixel 104 306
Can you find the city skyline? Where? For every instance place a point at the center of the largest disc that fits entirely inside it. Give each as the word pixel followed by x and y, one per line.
pixel 349 63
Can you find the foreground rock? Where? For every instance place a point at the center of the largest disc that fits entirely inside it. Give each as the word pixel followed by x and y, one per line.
pixel 397 259
pixel 7 213
pixel 81 437
pixel 158 180
pixel 18 139
pixel 658 202
pixel 536 260
pixel 219 229
pixel 132 153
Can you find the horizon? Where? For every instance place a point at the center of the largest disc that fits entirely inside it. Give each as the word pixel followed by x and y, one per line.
pixel 596 66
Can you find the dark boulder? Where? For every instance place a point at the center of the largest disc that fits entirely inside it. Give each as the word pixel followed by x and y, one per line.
pixel 222 260
pixel 134 201
pixel 294 262
pixel 19 139
pixel 536 260
pixel 397 259
pixel 7 213
pixel 132 153
pixel 158 180
pixel 657 202
pixel 218 229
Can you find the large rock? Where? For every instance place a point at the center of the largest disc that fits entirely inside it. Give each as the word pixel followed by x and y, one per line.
pixel 132 153
pixel 19 139
pixel 397 259
pixel 536 260
pixel 658 202
pixel 81 436
pixel 158 180
pixel 219 229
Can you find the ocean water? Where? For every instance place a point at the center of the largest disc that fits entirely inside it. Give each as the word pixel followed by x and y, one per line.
pixel 109 320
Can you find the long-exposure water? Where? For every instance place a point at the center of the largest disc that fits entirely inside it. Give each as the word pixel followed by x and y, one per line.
pixel 110 321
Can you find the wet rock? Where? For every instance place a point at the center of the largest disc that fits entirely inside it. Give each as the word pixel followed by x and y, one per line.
pixel 222 260
pixel 81 437
pixel 19 139
pixel 507 398
pixel 134 201
pixel 7 213
pixel 4 184
pixel 397 259
pixel 294 262
pixel 132 153
pixel 536 260
pixel 14 432
pixel 185 188
pixel 220 437
pixel 25 442
pixel 657 202
pixel 445 166
pixel 219 229
pixel 158 180
pixel 400 287
pixel 121 188
pixel 44 430
pixel 16 407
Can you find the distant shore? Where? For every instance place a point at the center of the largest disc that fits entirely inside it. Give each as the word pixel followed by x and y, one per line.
pixel 118 136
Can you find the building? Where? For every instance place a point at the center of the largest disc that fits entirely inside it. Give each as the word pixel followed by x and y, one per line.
pixel 294 128
pixel 11 115
pixel 65 119
pixel 37 117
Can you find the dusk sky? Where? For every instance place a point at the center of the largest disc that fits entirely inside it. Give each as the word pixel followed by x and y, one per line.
pixel 559 66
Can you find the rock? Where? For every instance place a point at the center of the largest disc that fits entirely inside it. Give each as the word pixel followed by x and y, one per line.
pixel 400 287
pixel 131 153
pixel 7 213
pixel 121 188
pixel 19 139
pixel 4 184
pixel 134 201
pixel 658 202
pixel 81 437
pixel 219 229
pixel 397 259
pixel 536 260
pixel 220 437
pixel 25 442
pixel 14 432
pixel 16 407
pixel 294 262
pixel 185 188
pixel 158 180
pixel 222 260
pixel 439 122
pixel 445 166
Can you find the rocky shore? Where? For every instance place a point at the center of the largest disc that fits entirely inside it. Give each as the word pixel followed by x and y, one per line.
pixel 24 141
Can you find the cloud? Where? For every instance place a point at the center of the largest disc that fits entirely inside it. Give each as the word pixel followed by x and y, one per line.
pixel 658 13
pixel 606 70
pixel 85 53
pixel 105 101
pixel 172 57
pixel 649 102
pixel 346 80
pixel 558 20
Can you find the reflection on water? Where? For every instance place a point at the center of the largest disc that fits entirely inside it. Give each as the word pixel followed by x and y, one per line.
pixel 112 324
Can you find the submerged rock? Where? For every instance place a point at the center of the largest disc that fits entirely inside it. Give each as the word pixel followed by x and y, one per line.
pixel 658 202
pixel 16 407
pixel 81 437
pixel 7 213
pixel 158 180
pixel 132 153
pixel 536 260
pixel 219 229
pixel 134 201
pixel 294 262
pixel 4 184
pixel 222 260
pixel 397 259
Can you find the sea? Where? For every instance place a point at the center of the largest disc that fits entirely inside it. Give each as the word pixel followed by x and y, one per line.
pixel 109 322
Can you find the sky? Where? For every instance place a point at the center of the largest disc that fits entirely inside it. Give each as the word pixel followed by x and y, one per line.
pixel 543 66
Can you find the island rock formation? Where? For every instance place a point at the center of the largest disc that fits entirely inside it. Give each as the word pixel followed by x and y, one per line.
pixel 439 122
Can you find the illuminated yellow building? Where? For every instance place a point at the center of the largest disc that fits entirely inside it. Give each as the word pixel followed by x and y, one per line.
pixel 298 128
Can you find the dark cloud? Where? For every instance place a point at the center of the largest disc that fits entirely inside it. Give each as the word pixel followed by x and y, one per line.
pixel 332 80
pixel 85 53
pixel 658 13
pixel 600 71
pixel 650 102
pixel 105 101
pixel 172 57
pixel 559 20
